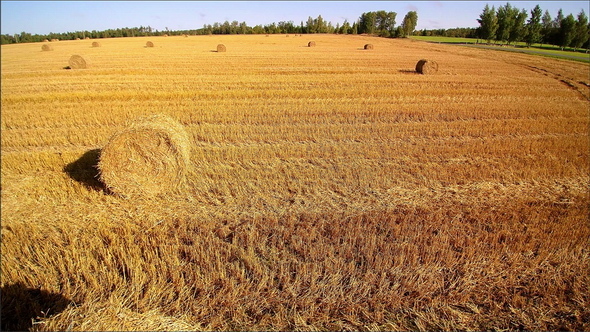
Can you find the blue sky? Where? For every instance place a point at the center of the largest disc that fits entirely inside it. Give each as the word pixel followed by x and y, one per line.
pixel 42 17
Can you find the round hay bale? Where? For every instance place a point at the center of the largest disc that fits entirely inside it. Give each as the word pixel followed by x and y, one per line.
pixel 87 38
pixel 311 44
pixel 369 47
pixel 77 38
pixel 426 67
pixel 46 40
pixel 165 35
pixel 149 44
pixel 77 62
pixel 221 48
pixel 46 47
pixel 95 44
pixel 150 157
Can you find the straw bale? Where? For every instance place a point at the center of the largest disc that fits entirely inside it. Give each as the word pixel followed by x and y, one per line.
pixel 221 48
pixel 311 44
pixel 149 44
pixel 369 47
pixel 96 44
pixel 77 62
pixel 150 157
pixel 46 47
pixel 426 67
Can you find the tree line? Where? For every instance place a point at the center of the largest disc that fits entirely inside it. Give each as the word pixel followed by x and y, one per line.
pixel 379 23
pixel 508 24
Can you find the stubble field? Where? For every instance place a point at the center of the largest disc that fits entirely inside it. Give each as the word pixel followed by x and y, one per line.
pixel 333 188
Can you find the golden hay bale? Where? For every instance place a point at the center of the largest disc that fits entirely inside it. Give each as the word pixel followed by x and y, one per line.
pixel 46 47
pixel 221 48
pixel 311 44
pixel 95 44
pixel 368 46
pixel 149 44
pixel 77 38
pixel 77 62
pixel 165 35
pixel 150 157
pixel 426 67
pixel 45 40
pixel 87 38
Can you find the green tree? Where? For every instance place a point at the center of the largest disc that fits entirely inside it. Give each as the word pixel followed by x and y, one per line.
pixel 566 31
pixel 533 30
pixel 310 28
pixel 505 22
pixel 409 23
pixel 367 23
pixel 580 31
pixel 546 28
pixel 488 24
pixel 517 30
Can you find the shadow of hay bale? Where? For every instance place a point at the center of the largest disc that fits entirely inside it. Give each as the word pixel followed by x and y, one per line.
pixel 22 304
pixel 85 171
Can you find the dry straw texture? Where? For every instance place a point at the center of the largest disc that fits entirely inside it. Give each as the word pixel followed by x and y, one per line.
pixel 77 62
pixel 221 48
pixel 368 46
pixel 149 44
pixel 311 44
pixel 87 38
pixel 426 67
pixel 150 157
pixel 96 44
pixel 46 47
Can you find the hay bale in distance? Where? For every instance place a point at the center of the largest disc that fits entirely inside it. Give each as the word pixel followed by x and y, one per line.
pixel 426 67
pixel 149 44
pixel 77 62
pixel 311 44
pixel 77 38
pixel 95 44
pixel 46 47
pixel 150 157
pixel 45 40
pixel 369 47
pixel 87 38
pixel 221 48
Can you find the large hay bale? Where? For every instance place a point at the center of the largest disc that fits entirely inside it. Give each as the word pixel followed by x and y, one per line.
pixel 46 47
pixel 95 44
pixel 77 62
pixel 150 157
pixel 368 46
pixel 311 44
pixel 426 67
pixel 221 48
pixel 149 44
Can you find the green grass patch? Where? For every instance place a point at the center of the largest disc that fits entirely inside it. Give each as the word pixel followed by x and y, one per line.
pixel 538 49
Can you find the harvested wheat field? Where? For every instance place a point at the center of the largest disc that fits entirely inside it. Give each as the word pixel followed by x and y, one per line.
pixel 329 188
